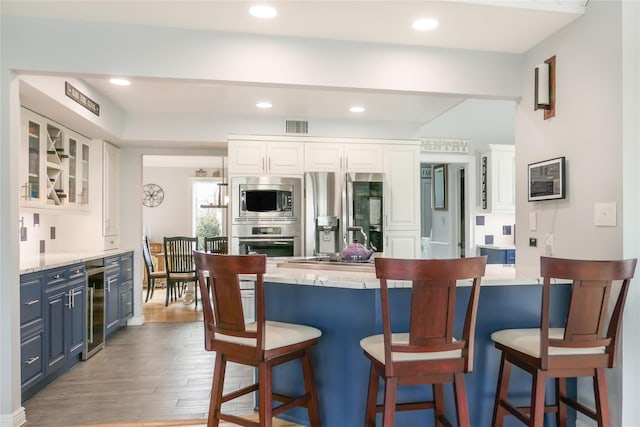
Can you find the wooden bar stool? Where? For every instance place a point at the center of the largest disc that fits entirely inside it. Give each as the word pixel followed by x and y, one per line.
pixel 262 344
pixel 583 347
pixel 428 353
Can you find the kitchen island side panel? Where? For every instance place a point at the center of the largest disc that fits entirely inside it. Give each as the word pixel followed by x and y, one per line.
pixel 345 316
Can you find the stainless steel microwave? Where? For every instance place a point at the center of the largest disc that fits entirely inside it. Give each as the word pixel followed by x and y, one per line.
pixel 258 198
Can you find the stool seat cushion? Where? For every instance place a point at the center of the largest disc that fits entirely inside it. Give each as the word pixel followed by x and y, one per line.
pixel 528 341
pixel 277 334
pixel 374 346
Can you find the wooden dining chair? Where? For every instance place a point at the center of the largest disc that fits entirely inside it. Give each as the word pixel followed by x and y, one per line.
pixel 428 353
pixel 149 265
pixel 179 265
pixel 583 347
pixel 216 245
pixel 263 344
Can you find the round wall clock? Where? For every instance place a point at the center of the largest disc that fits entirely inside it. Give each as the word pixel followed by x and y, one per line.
pixel 153 195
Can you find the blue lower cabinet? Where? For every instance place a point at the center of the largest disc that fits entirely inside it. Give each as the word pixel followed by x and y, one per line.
pixel 65 311
pixel 118 292
pixel 53 317
pixel 31 333
pixel 499 256
pixel 112 295
pixel 75 327
pixel 52 324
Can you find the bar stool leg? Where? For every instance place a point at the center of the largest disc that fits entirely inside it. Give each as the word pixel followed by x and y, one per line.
pixel 537 399
pixel 601 397
pixel 216 391
pixel 438 402
pixel 372 398
pixel 390 390
pixel 501 393
pixel 461 399
pixel 309 383
pixel 561 391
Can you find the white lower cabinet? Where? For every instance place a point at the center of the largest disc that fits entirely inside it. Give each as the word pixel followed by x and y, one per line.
pixel 402 244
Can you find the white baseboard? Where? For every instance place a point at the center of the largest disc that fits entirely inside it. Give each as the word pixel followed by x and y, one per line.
pixel 16 419
pixel 136 321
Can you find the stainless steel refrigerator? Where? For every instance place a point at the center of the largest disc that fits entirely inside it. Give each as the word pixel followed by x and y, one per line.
pixel 337 206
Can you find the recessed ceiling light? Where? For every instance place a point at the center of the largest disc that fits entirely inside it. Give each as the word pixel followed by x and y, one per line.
pixel 263 104
pixel 425 24
pixel 119 82
pixel 263 12
pixel 356 109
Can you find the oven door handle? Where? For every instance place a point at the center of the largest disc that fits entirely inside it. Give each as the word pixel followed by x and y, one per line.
pixel 270 241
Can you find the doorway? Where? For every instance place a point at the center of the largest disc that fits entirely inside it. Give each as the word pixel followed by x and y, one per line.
pixel 446 233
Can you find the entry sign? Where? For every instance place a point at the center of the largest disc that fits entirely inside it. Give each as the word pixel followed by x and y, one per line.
pixel 81 98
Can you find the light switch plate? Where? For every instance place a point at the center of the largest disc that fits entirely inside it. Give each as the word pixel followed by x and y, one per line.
pixel 532 221
pixel 604 214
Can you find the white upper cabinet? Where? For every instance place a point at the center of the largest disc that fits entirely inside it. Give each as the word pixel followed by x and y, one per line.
pixel 497 179
pixel 32 153
pixel 337 157
pixel 402 193
pixel 54 164
pixel 78 171
pixel 265 157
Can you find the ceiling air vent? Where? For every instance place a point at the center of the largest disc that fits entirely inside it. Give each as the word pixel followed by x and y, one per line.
pixel 296 126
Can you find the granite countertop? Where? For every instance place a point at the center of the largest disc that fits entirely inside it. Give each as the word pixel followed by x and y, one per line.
pixel 46 261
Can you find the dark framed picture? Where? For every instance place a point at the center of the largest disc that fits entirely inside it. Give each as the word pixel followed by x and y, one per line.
pixel 546 180
pixel 439 181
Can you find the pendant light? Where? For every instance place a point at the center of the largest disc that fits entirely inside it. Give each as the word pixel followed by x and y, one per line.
pixel 223 195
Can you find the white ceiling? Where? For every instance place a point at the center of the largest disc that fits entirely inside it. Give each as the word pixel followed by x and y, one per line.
pixel 503 26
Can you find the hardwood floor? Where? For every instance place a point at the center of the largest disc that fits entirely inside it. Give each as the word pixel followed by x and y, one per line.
pixel 177 311
pixel 154 375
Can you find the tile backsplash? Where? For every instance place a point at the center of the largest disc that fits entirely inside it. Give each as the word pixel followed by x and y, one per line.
pixel 495 229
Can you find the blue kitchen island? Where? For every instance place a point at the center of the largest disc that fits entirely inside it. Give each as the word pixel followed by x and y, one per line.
pixel 345 306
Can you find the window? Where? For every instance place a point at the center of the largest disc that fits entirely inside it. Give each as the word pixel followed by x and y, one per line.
pixel 206 222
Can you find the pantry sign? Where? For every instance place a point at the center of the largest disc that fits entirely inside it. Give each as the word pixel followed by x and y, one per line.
pixel 81 98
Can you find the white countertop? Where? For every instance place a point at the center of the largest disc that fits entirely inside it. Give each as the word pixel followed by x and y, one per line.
pixel 495 275
pixel 498 247
pixel 61 259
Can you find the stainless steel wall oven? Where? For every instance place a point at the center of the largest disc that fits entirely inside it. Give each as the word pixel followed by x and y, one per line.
pixel 266 216
pixel 276 241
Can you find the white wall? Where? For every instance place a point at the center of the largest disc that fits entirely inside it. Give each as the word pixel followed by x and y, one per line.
pixel 631 207
pixel 173 216
pixel 481 121
pixel 587 129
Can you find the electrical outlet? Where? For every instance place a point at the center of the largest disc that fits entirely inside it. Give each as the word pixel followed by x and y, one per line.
pixel 533 242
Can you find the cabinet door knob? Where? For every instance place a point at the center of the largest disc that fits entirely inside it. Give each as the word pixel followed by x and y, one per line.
pixel 33 301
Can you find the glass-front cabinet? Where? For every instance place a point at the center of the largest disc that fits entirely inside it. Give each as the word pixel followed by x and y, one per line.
pixel 54 164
